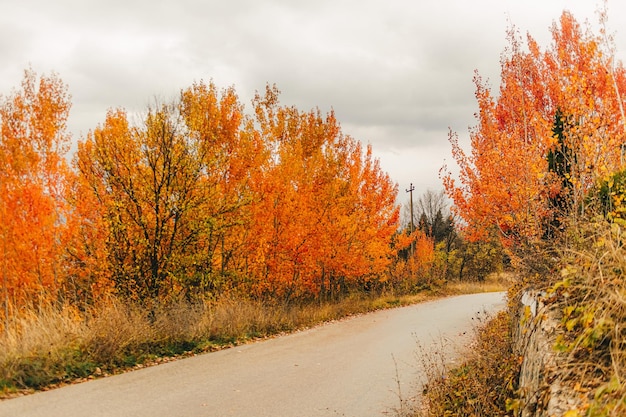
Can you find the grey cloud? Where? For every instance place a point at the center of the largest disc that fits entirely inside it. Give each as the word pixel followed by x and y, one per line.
pixel 398 73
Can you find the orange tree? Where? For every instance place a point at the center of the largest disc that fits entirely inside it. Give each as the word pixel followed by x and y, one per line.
pixel 324 213
pixel 505 182
pixel 33 143
pixel 171 190
pixel 198 198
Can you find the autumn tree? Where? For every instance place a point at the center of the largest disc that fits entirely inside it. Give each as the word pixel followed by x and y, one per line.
pixel 325 212
pixel 33 144
pixel 504 182
pixel 232 156
pixel 475 260
pixel 198 197
pixel 89 274
pixel 412 267
pixel 169 189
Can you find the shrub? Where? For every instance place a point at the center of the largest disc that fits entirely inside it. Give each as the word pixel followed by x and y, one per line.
pixel 483 382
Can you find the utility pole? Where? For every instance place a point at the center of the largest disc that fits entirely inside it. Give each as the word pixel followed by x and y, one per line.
pixel 411 227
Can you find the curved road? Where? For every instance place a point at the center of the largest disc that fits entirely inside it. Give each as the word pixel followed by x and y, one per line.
pixel 347 368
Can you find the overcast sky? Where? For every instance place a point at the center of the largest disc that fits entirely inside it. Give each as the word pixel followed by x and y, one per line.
pixel 398 73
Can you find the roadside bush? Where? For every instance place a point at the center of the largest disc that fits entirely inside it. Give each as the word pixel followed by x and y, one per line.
pixel 483 382
pixel 608 198
pixel 591 296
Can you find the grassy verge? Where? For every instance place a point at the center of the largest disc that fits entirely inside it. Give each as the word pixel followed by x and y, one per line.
pixel 493 283
pixel 590 295
pixel 482 383
pixel 53 346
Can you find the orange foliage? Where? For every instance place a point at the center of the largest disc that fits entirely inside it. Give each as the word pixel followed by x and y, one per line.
pixel 88 271
pixel 292 208
pixel 196 198
pixel 33 171
pixel 172 190
pixel 504 182
pixel 325 211
pixel 423 250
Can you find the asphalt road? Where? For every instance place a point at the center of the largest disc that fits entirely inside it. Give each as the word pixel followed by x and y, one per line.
pixel 347 368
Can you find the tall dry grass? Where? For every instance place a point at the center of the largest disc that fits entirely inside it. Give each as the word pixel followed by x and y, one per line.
pixel 480 384
pixel 590 295
pixel 50 346
pixel 495 282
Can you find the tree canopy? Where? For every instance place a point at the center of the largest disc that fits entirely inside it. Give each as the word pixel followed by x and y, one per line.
pixel 505 181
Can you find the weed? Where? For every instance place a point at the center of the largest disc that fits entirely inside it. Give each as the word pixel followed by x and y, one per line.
pixel 482 383
pixel 53 346
pixel 590 294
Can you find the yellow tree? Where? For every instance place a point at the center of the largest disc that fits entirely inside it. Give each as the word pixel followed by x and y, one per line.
pixel 172 190
pixel 231 153
pixel 142 178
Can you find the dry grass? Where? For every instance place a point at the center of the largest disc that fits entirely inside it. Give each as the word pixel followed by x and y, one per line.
pixel 55 346
pixel 591 297
pixel 482 383
pixel 493 283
